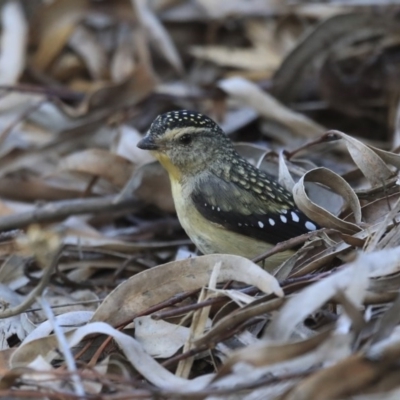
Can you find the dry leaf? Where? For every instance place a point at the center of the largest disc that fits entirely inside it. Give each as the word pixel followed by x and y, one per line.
pixel 268 107
pixel 157 284
pixel 99 163
pixel 160 339
pixel 158 34
pixel 57 22
pixel 13 43
pixel 317 213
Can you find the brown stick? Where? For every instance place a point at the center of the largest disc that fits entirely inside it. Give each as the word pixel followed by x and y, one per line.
pixel 61 209
pixel 288 244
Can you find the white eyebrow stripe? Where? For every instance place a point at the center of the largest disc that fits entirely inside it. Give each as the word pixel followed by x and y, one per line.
pixel 176 132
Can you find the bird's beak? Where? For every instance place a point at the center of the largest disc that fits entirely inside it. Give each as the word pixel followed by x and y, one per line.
pixel 147 143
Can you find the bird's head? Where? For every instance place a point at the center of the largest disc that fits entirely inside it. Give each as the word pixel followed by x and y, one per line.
pixel 185 142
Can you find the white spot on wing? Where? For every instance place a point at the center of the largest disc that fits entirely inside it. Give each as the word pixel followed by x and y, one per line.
pixel 295 217
pixel 260 224
pixel 271 222
pixel 283 219
pixel 310 226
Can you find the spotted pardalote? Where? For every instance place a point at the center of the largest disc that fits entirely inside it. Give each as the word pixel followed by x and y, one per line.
pixel 225 204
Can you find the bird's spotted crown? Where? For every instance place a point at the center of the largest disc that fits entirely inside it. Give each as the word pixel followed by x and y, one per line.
pixel 183 119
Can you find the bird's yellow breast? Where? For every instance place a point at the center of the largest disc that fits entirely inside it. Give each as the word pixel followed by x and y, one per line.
pixel 210 237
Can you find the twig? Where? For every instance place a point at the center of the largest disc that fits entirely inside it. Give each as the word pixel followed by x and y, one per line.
pixel 327 137
pixel 99 351
pixel 288 244
pixel 196 306
pixel 61 209
pixel 232 320
pixel 166 303
pixel 51 92
pixel 169 302
pixel 206 346
pixel 78 303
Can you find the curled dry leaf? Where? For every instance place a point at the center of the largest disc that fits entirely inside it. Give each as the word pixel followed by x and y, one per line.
pixel 320 215
pixel 153 286
pixel 134 352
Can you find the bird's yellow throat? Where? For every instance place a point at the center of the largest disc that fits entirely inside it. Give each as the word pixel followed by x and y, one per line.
pixel 173 171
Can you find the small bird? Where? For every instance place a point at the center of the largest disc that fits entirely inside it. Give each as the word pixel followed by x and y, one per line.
pixel 224 203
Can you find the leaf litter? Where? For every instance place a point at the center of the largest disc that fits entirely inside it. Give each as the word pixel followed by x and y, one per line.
pixel 102 296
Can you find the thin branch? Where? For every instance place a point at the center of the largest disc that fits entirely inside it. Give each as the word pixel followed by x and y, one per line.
pixel 192 307
pixel 289 244
pixel 77 303
pixel 51 92
pixel 61 209
pixel 194 351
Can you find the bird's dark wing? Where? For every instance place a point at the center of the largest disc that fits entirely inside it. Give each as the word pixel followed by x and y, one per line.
pixel 269 216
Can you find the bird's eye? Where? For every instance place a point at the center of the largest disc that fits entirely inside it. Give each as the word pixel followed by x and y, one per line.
pixel 185 139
